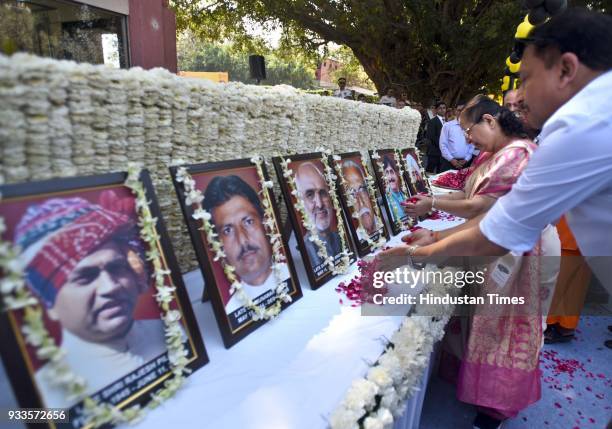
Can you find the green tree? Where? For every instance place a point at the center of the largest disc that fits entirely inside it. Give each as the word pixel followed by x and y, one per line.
pixel 350 69
pixel 434 48
pixel 195 54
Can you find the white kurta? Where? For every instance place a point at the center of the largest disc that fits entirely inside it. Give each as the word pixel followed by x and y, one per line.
pixel 256 291
pixel 101 364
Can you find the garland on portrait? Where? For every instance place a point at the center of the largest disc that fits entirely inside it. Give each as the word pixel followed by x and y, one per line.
pixel 402 226
pixel 309 225
pixel 422 170
pixel 350 202
pixel 16 295
pixel 194 199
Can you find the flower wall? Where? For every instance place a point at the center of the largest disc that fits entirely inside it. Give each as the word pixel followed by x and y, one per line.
pixel 59 119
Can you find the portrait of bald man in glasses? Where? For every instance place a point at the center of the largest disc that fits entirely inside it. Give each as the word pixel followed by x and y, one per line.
pixel 357 188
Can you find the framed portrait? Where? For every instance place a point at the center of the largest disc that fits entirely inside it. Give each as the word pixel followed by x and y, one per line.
pixel 389 172
pixel 93 294
pixel 357 191
pixel 316 215
pixel 239 243
pixel 414 173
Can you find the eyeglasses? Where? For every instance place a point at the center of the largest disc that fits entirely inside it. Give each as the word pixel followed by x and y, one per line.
pixel 468 130
pixel 362 190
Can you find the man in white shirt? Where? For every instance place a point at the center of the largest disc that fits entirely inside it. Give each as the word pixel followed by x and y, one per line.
pixel 389 98
pixel 342 91
pixel 456 151
pixel 566 84
pixel 238 217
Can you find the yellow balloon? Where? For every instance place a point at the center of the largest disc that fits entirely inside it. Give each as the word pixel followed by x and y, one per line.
pixel 505 83
pixel 514 68
pixel 523 30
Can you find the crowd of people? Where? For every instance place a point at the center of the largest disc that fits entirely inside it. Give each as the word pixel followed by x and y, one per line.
pixel 538 204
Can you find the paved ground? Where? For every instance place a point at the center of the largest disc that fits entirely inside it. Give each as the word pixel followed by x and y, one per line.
pixel 576 387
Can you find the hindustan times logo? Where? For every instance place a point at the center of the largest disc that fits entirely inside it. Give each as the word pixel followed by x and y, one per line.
pixel 411 278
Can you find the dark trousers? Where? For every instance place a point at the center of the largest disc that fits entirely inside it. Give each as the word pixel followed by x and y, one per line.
pixel 446 165
pixel 433 164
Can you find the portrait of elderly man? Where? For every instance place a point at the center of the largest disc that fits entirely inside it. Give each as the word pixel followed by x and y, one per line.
pixel 85 263
pixel 414 172
pixel 314 192
pixel 238 216
pixel 358 189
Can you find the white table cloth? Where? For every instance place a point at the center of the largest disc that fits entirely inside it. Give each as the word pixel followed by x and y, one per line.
pixel 290 373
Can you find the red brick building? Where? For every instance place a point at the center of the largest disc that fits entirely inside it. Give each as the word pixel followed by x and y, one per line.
pixel 120 33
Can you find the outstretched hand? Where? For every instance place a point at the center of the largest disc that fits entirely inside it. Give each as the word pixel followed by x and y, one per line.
pixel 395 257
pixel 420 237
pixel 417 206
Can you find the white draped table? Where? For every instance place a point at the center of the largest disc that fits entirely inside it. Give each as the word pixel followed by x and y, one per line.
pixel 290 373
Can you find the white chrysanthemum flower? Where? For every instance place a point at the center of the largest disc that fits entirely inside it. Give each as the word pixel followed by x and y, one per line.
pixel 380 376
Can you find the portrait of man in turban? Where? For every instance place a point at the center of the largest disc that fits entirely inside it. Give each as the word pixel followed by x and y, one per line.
pixel 86 265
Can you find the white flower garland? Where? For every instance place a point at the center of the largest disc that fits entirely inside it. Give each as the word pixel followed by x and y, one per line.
pixel 16 295
pixel 194 196
pixel 379 397
pixel 176 117
pixel 403 226
pixel 416 152
pixel 310 226
pixel 350 201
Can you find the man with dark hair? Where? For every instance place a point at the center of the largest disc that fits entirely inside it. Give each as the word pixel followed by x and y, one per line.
pixel 394 193
pixel 456 151
pixel 566 74
pixel 238 217
pixel 434 128
pixel 389 98
pixel 342 91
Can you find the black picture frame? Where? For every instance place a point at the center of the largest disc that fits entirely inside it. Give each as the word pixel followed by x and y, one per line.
pixel 390 207
pixel 315 279
pixel 362 246
pixel 414 186
pixel 231 333
pixel 15 355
